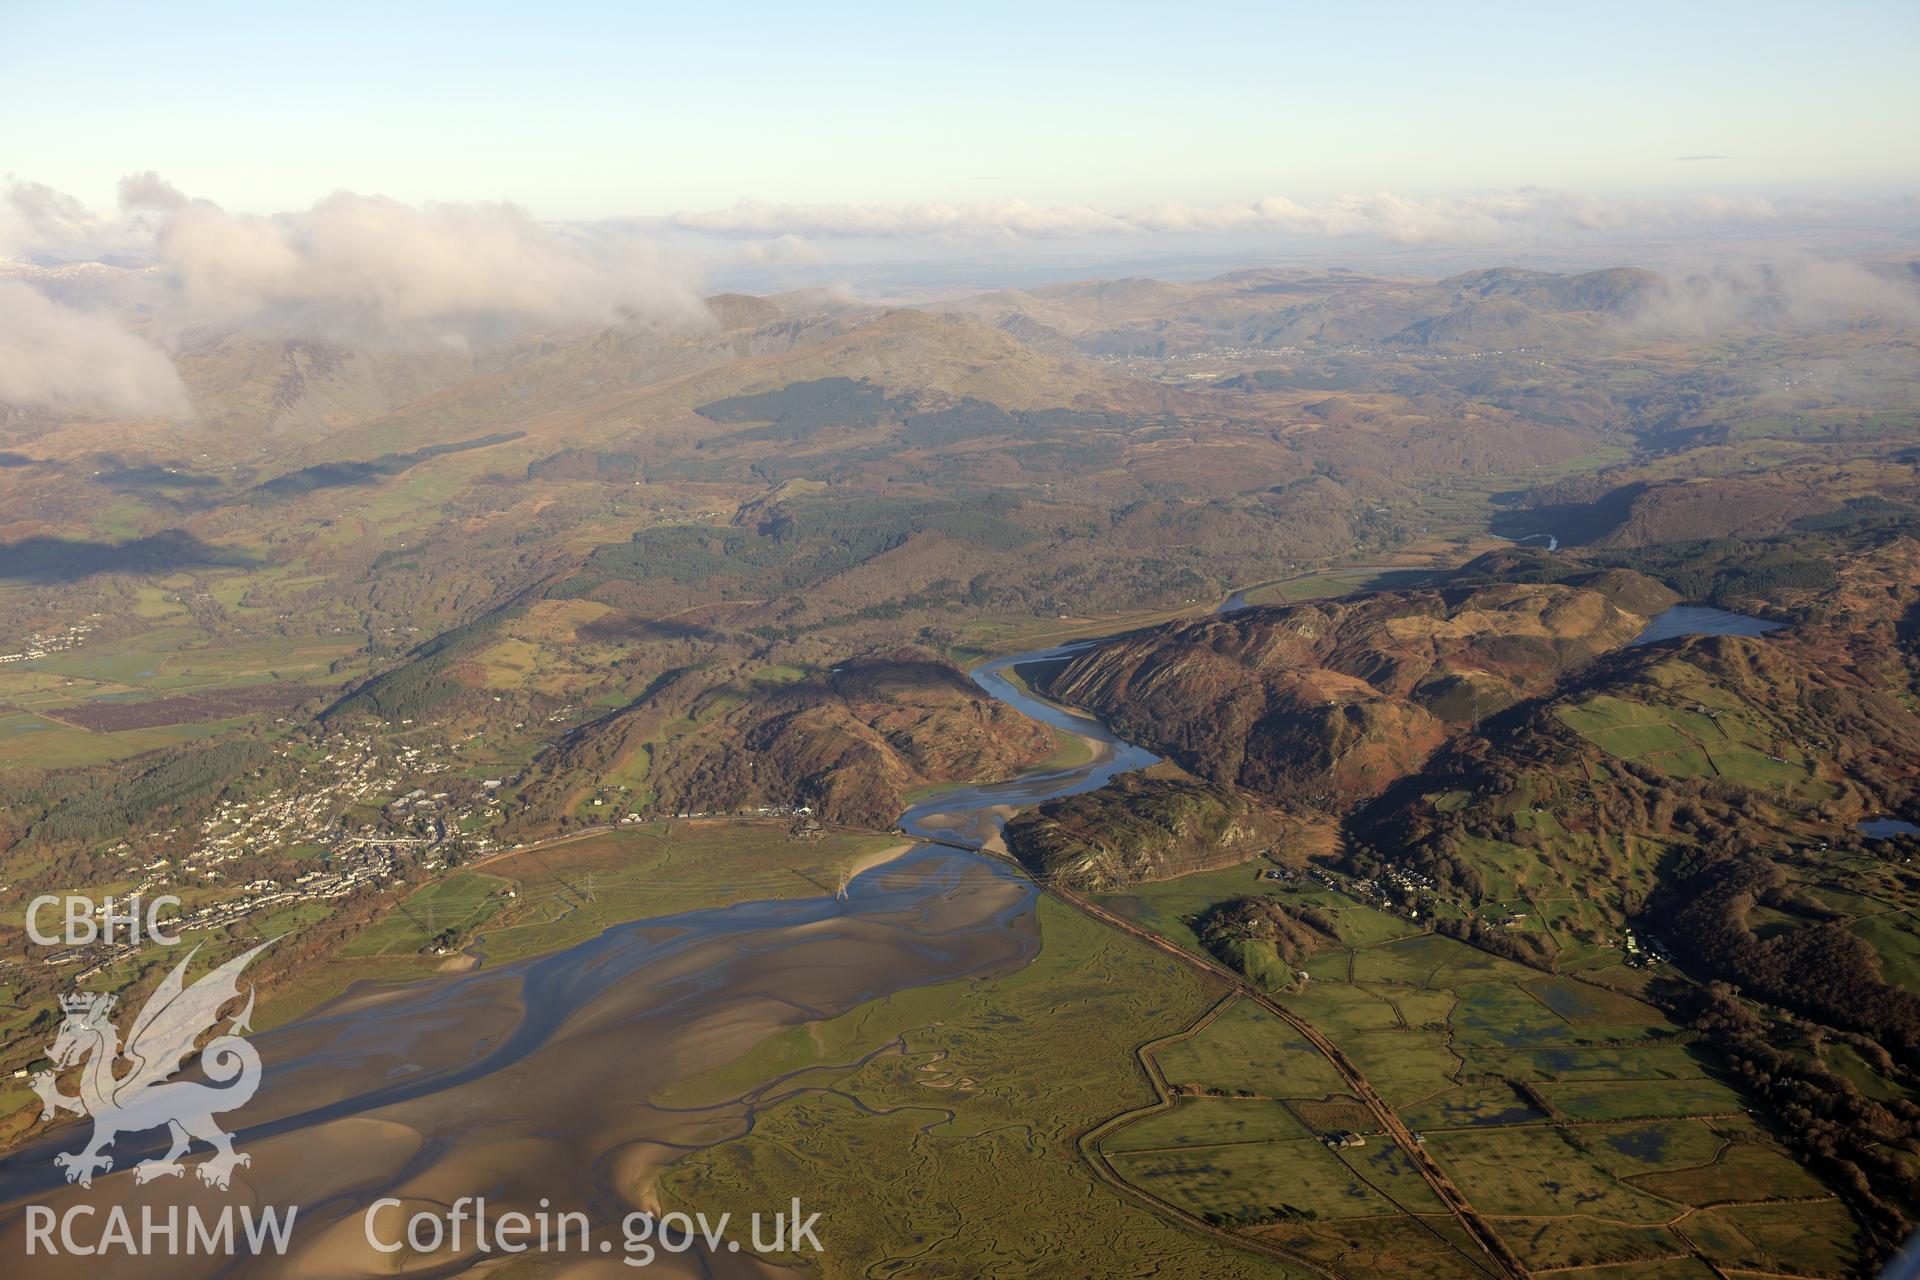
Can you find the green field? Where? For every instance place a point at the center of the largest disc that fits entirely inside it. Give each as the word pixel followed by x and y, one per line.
pixel 1896 937
pixel 1167 906
pixel 1247 1051
pixel 1205 1122
pixel 1717 737
pixel 1571 1115
pixel 1628 1099
pixel 164 660
pixel 1049 1052
pixel 29 738
pixel 1295 1176
pixel 463 902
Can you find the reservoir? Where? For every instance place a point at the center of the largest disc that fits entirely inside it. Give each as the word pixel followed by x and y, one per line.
pixel 1700 620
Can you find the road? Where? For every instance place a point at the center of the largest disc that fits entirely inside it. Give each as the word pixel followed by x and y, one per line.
pixel 1476 1227
pixel 1501 1259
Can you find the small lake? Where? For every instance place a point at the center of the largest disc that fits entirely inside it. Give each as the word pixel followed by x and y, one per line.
pixel 1551 539
pixel 1886 828
pixel 1698 620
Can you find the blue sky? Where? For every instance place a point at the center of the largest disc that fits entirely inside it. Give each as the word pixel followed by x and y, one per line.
pixel 587 110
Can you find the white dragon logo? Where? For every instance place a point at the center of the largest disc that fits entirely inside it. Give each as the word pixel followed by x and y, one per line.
pixel 161 1038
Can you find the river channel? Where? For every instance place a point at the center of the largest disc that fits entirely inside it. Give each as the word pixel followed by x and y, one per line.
pixel 532 1082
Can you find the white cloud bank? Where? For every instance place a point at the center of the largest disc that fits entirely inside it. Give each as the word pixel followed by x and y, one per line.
pixel 353 268
pixel 368 266
pixel 1472 220
pixel 366 269
pixel 1796 293
pixel 359 265
pixel 57 358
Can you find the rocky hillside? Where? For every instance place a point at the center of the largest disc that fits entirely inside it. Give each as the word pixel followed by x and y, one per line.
pixel 1138 828
pixel 850 743
pixel 1739 745
pixel 1324 703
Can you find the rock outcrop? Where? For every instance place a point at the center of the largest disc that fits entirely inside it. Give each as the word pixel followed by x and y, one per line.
pixel 1322 704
